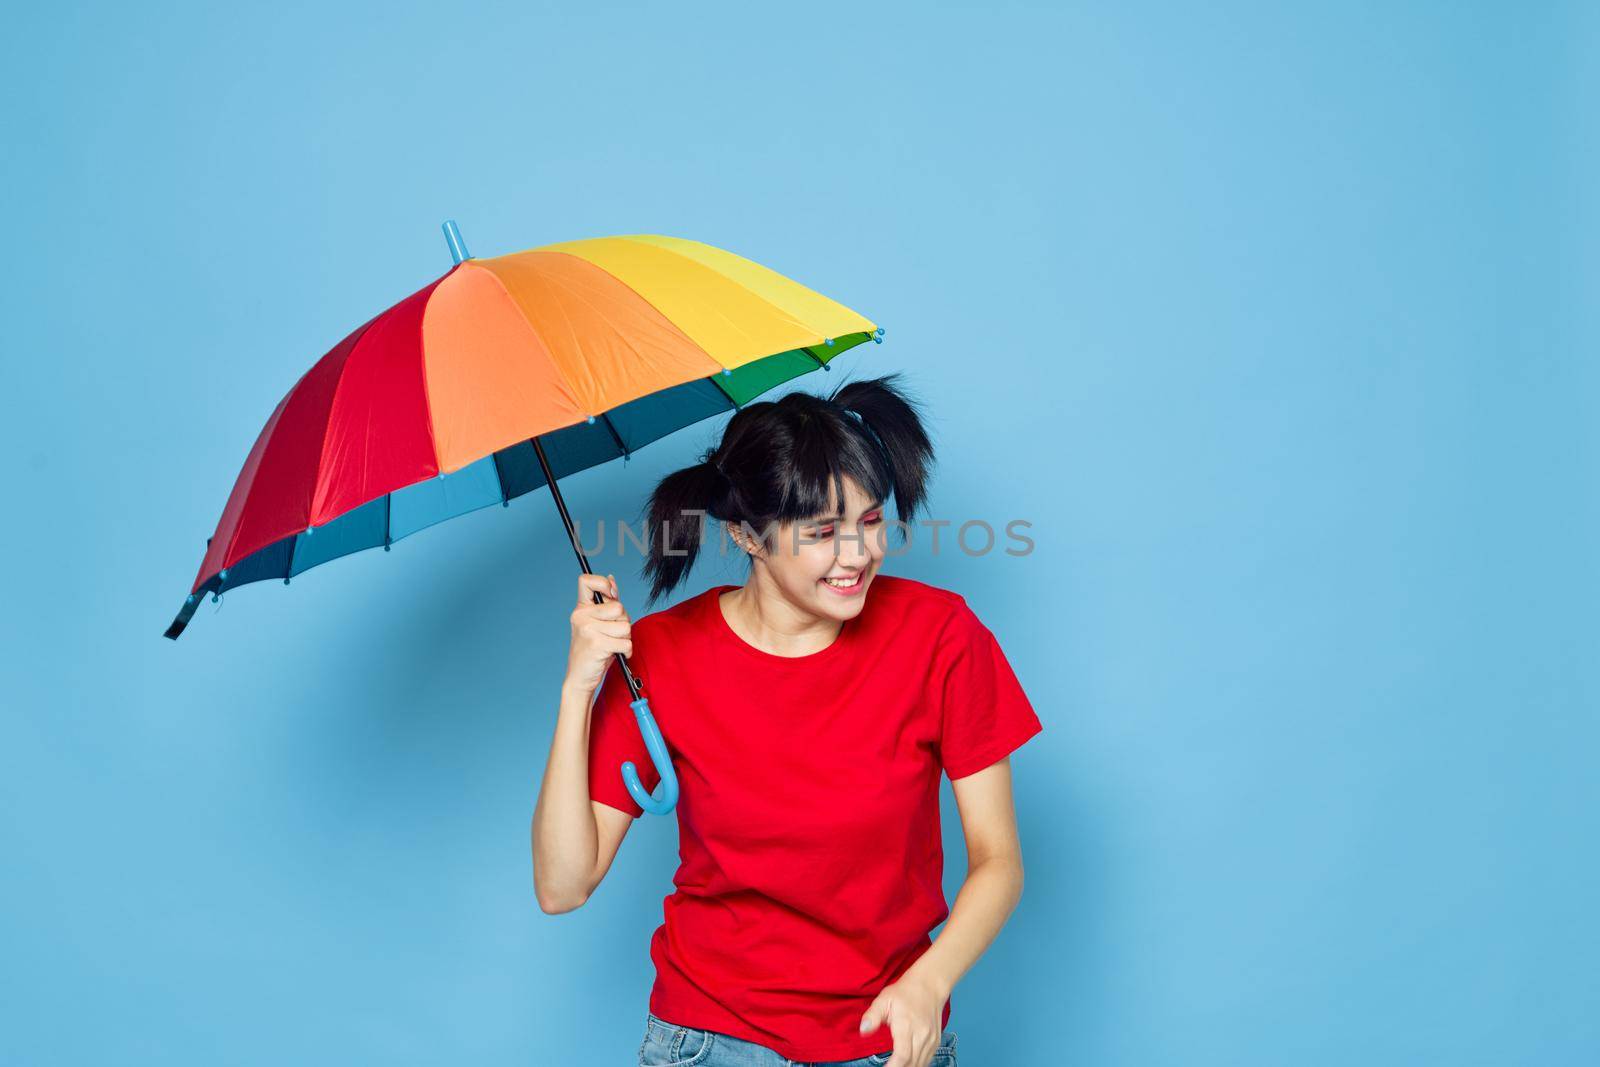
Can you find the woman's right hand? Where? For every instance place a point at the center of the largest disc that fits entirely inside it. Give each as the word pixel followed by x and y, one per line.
pixel 599 631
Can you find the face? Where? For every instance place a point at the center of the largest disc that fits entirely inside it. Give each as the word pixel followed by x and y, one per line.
pixel 825 563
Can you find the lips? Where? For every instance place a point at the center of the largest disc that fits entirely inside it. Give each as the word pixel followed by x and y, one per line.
pixel 848 590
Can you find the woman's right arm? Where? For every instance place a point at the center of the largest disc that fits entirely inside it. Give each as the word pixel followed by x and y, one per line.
pixel 574 837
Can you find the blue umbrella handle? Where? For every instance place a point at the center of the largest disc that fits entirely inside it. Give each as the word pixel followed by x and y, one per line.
pixel 667 790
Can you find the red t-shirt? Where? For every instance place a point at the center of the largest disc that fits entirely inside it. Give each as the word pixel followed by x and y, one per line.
pixel 811 866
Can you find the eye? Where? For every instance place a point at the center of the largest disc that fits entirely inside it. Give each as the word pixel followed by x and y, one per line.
pixel 826 531
pixel 875 518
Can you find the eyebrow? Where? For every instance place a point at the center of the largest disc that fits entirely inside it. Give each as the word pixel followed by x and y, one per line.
pixel 840 518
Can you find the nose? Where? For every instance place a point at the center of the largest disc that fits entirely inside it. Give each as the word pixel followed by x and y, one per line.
pixel 855 551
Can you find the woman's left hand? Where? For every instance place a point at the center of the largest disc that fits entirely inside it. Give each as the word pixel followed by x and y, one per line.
pixel 914 1009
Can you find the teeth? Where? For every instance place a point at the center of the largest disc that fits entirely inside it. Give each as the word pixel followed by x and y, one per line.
pixel 842 583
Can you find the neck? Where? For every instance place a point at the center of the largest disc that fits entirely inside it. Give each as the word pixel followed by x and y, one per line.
pixel 763 616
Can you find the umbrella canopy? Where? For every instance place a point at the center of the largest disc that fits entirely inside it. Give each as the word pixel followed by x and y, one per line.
pixel 583 351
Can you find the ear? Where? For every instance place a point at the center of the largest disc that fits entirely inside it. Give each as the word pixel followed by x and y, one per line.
pixel 733 531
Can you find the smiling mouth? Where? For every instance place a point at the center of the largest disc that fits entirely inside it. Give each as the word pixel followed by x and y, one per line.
pixel 851 586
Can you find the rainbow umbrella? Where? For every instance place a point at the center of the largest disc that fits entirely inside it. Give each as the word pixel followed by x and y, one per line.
pixel 503 376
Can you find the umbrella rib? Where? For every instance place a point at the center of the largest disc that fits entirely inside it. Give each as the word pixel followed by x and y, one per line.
pixel 713 379
pixel 499 477
pixel 615 436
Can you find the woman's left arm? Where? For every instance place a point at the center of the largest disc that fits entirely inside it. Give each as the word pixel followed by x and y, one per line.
pixel 988 896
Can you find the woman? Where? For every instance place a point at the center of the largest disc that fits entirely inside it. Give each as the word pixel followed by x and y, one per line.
pixel 809 714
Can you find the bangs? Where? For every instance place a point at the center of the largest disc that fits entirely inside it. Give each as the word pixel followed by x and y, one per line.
pixel 814 484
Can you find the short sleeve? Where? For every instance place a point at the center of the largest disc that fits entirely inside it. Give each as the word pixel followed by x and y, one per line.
pixel 984 713
pixel 614 737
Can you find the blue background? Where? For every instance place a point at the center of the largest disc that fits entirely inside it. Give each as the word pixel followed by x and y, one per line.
pixel 1276 321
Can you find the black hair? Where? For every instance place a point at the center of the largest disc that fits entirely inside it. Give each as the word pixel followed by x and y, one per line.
pixel 785 460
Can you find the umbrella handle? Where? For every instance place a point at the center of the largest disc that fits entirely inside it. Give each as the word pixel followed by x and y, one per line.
pixel 667 789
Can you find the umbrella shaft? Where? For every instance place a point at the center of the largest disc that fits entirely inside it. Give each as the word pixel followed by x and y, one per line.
pixel 577 547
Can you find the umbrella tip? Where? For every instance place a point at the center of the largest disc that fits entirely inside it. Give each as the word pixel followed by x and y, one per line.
pixel 458 247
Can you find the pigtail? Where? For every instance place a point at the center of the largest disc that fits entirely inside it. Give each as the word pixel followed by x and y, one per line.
pixel 895 420
pixel 675 528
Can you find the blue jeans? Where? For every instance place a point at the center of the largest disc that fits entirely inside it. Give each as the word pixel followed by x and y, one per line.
pixel 670 1045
